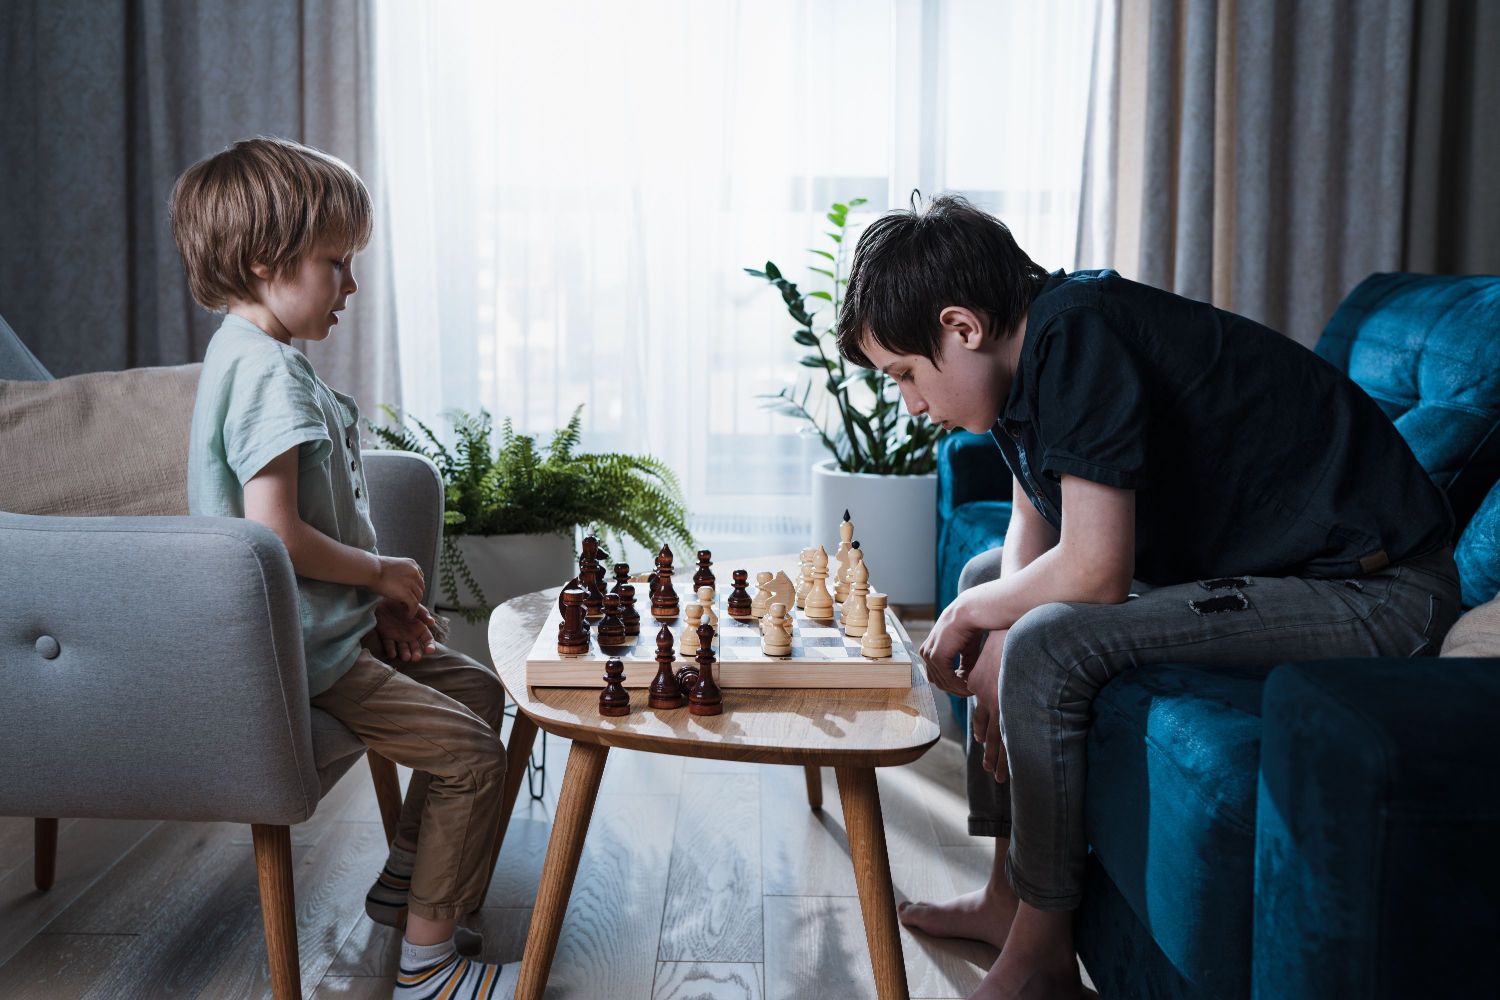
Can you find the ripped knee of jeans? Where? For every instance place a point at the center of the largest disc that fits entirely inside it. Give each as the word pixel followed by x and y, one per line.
pixel 1220 603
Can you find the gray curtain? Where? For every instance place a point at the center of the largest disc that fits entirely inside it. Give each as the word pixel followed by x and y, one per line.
pixel 1270 154
pixel 105 104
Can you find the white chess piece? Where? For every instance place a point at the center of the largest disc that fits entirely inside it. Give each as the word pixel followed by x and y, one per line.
pixel 776 632
pixel 687 643
pixel 782 591
pixel 819 602
pixel 761 602
pixel 841 560
pixel 706 600
pixel 804 576
pixel 876 643
pixel 856 613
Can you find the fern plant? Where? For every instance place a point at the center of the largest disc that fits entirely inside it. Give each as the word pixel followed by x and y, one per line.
pixel 514 486
pixel 867 429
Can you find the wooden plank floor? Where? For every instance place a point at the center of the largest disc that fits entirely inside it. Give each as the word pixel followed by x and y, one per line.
pixel 700 879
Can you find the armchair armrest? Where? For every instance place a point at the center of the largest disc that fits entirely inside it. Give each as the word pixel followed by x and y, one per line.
pixel 1375 829
pixel 970 468
pixel 406 507
pixel 152 668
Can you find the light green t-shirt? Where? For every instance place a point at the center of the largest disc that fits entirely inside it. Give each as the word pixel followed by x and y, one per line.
pixel 256 399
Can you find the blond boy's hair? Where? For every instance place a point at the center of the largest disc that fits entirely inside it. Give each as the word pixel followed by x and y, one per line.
pixel 263 200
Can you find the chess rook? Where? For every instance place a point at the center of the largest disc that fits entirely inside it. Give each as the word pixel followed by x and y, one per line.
pixel 664 605
pixel 666 693
pixel 612 637
pixel 614 700
pixel 739 602
pixel 705 698
pixel 572 632
pixel 876 642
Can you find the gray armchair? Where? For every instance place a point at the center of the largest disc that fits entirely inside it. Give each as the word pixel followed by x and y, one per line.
pixel 153 669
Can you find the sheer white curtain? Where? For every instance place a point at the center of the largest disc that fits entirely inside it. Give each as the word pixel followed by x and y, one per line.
pixel 575 188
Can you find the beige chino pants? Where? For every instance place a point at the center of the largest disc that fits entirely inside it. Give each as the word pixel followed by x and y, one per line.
pixel 440 717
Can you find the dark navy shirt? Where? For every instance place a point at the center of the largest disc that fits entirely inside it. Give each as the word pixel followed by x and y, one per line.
pixel 1249 454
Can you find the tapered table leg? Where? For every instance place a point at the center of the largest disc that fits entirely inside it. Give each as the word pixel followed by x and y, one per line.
pixel 872 875
pixel 814 775
pixel 46 852
pixel 575 808
pixel 517 755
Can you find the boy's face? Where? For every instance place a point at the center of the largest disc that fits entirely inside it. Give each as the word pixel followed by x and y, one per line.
pixel 304 302
pixel 968 389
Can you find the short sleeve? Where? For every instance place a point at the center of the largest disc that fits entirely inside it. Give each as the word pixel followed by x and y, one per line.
pixel 1092 401
pixel 272 408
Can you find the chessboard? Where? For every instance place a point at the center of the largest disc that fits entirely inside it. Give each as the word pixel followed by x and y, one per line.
pixel 822 656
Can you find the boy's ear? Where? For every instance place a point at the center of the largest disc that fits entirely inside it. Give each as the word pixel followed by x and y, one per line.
pixel 261 271
pixel 965 324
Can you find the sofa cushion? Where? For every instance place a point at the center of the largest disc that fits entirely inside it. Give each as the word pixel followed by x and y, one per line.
pixel 1170 810
pixel 1425 348
pixel 102 444
pixel 1478 553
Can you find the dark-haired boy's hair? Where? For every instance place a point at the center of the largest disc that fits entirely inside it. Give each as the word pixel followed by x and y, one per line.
pixel 910 265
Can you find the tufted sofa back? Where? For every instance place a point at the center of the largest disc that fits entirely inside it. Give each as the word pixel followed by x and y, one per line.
pixel 1427 349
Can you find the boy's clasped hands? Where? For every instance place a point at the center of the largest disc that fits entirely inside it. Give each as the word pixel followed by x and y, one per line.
pixel 402 624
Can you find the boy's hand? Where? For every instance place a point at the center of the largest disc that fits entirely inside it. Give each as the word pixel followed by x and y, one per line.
pixel 400 580
pixel 983 676
pixel 948 639
pixel 401 634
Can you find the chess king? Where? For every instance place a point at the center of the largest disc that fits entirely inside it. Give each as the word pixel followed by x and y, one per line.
pixel 1151 438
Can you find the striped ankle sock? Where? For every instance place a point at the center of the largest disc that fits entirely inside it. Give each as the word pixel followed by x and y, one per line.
pixel 431 971
pixel 386 900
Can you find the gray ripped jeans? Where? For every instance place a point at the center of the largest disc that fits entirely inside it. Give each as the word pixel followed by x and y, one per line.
pixel 1057 657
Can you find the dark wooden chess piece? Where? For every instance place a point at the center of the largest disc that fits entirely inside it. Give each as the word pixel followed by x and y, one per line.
pixel 705 575
pixel 705 698
pixel 572 631
pixel 687 676
pixel 739 598
pixel 666 554
pixel 574 584
pixel 664 604
pixel 591 575
pixel 628 614
pixel 614 700
pixel 665 691
pixel 612 637
pixel 622 575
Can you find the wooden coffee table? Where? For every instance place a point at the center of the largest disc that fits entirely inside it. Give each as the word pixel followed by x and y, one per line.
pixel 853 731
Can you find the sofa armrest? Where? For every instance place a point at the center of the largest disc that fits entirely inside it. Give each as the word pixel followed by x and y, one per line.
pixel 970 468
pixel 152 668
pixel 1375 829
pixel 406 507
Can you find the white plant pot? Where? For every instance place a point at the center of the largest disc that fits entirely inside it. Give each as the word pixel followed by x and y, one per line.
pixel 504 566
pixel 895 522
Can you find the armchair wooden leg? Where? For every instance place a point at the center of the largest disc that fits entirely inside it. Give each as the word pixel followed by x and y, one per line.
pixel 814 775
pixel 46 853
pixel 387 792
pixel 278 907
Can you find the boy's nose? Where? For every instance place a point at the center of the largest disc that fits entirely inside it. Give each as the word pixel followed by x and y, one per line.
pixel 915 405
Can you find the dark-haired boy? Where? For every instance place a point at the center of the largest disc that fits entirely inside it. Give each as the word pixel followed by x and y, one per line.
pixel 1188 485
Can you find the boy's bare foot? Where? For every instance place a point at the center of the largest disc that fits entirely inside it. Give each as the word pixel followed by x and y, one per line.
pixel 1031 984
pixel 982 915
pixel 1040 964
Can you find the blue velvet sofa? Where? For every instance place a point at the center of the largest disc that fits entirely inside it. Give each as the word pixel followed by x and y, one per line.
pixel 1320 829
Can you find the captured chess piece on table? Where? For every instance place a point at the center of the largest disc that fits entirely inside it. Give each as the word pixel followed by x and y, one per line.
pixel 666 693
pixel 664 605
pixel 614 700
pixel 705 698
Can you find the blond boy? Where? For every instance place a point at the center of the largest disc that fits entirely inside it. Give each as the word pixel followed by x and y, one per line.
pixel 268 230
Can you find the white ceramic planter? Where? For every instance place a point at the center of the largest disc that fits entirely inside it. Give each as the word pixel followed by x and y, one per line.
pixel 505 566
pixel 895 522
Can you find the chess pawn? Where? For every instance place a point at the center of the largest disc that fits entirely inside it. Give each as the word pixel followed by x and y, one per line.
pixel 614 700
pixel 705 575
pixel 776 632
pixel 739 602
pixel 688 645
pixel 622 576
pixel 876 643
pixel 572 632
pixel 687 677
pixel 664 605
pixel 856 613
pixel 705 698
pixel 819 602
pixel 804 576
pixel 706 599
pixel 761 602
pixel 665 691
pixel 628 614
pixel 612 637
pixel 841 560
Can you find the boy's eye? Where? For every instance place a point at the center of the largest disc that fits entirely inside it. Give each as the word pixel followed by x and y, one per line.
pixel 338 264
